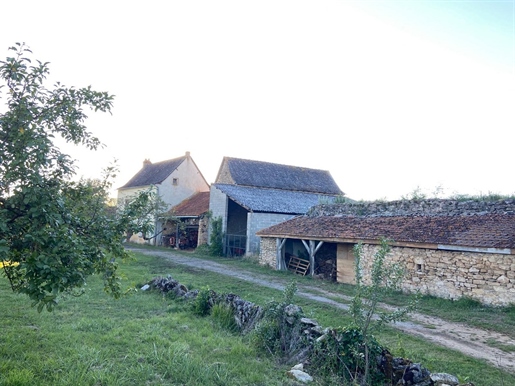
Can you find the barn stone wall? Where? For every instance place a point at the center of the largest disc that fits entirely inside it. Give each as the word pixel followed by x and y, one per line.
pixel 486 277
pixel 267 252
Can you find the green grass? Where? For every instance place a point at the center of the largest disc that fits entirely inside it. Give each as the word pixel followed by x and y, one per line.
pixel 501 346
pixel 149 339
pixel 141 339
pixel 465 310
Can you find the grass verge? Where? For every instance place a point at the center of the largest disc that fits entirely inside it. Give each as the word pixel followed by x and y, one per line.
pixel 148 339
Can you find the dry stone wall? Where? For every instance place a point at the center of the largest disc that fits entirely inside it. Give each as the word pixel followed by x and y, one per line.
pixel 267 252
pixel 431 207
pixel 486 277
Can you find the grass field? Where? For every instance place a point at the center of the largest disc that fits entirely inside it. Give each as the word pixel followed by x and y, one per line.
pixel 147 339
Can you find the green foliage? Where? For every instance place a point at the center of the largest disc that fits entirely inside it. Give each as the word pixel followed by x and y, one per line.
pixel 279 331
pixel 223 316
pixel 341 199
pixel 60 231
pixel 342 354
pixel 202 304
pixel 385 278
pixel 489 197
pixel 202 250
pixel 415 195
pixel 216 239
pixel 141 211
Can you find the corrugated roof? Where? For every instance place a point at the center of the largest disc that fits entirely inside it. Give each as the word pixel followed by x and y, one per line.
pixel 154 173
pixel 277 176
pixel 478 231
pixel 273 200
pixel 195 205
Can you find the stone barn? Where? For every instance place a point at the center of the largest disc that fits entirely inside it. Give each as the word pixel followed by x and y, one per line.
pixel 449 248
pixel 251 195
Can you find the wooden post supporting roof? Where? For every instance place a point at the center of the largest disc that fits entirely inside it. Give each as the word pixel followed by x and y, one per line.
pixel 280 263
pixel 312 249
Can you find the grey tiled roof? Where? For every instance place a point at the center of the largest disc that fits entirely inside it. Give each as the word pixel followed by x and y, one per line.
pixel 273 200
pixel 277 176
pixel 154 173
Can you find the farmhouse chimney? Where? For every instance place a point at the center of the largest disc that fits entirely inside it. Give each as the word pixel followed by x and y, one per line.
pixel 146 162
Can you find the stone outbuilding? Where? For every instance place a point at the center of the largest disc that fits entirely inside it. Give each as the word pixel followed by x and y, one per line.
pixel 173 180
pixel 252 195
pixel 449 248
pixel 185 225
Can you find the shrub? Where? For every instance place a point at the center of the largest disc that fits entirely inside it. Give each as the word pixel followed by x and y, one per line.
pixel 202 303
pixel 342 353
pixel 216 245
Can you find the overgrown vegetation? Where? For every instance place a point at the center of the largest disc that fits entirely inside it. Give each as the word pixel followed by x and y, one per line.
pixel 216 239
pixel 278 333
pixel 348 354
pixel 418 194
pixel 342 355
pixel 202 304
pixel 223 316
pixel 385 278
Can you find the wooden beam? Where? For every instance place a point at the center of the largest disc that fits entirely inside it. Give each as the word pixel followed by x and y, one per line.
pixel 280 263
pixel 312 249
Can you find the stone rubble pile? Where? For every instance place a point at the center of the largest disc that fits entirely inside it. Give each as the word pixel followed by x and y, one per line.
pixel 401 371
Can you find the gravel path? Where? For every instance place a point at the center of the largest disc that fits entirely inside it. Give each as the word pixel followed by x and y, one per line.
pixel 470 341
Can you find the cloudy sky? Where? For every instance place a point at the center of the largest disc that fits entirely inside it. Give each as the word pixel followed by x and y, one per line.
pixel 386 95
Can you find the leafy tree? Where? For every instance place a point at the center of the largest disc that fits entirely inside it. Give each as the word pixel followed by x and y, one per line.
pixel 151 208
pixel 54 231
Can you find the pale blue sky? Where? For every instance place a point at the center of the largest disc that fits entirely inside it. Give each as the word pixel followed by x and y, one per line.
pixel 386 95
pixel 482 29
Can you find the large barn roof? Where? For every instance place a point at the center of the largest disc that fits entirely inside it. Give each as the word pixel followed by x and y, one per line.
pixel 276 176
pixel 257 199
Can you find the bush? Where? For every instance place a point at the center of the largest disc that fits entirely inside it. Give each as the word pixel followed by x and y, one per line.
pixel 203 302
pixel 342 354
pixel 216 245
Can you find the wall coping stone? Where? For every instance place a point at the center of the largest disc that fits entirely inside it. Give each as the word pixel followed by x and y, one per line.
pixel 428 207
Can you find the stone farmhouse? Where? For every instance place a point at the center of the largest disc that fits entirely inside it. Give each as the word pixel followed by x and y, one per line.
pixel 174 180
pixel 252 195
pixel 449 248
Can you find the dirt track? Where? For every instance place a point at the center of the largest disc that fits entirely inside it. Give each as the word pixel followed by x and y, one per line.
pixel 469 341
